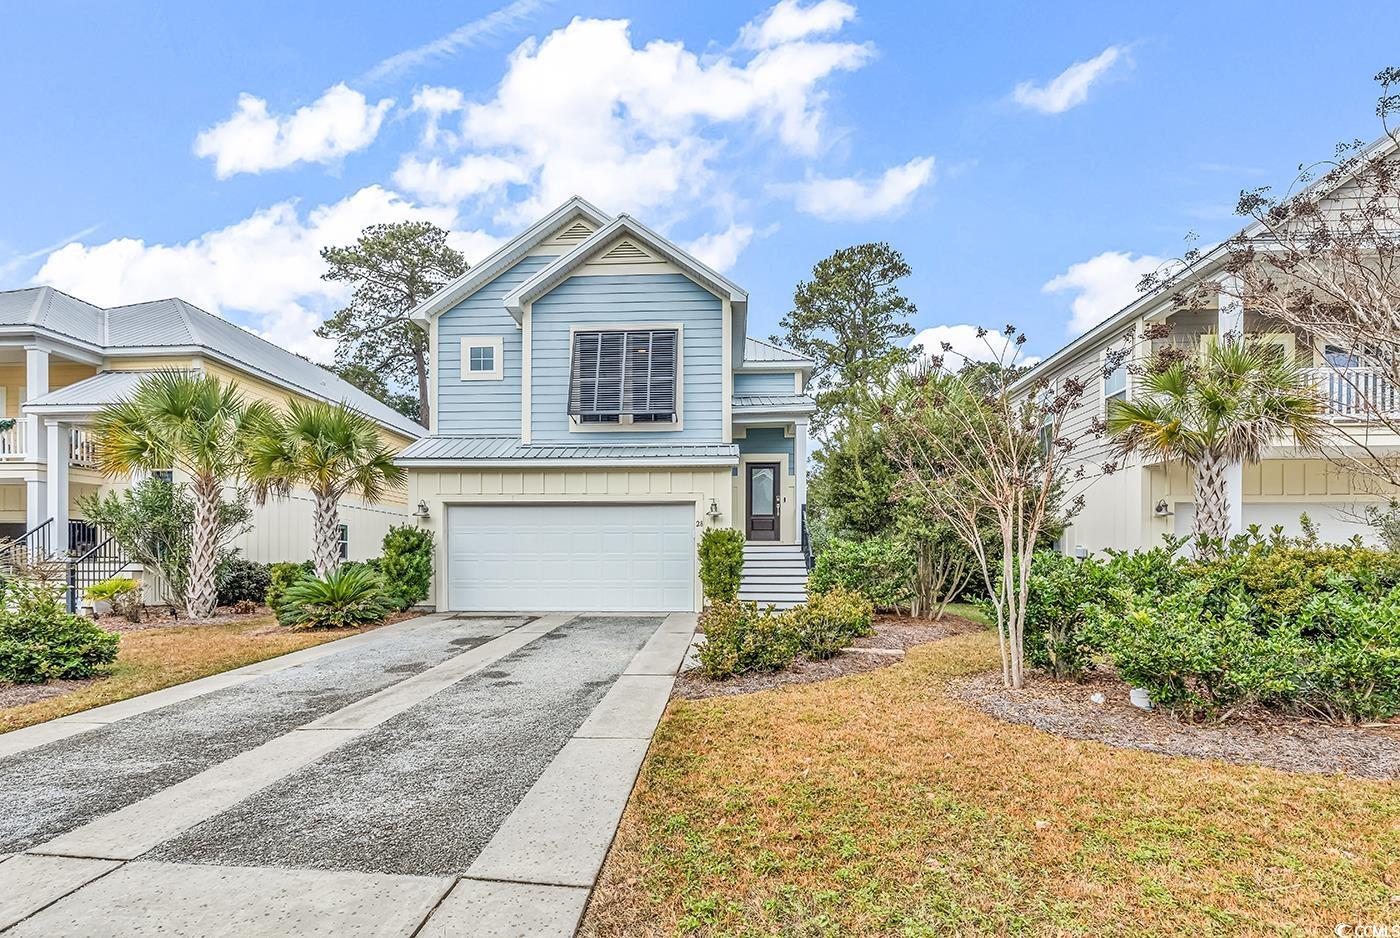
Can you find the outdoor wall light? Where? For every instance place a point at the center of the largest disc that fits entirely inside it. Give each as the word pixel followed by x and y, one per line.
pixel 422 511
pixel 714 511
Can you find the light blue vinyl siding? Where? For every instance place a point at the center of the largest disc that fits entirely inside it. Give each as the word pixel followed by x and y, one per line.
pixel 619 299
pixel 775 383
pixel 482 407
pixel 766 440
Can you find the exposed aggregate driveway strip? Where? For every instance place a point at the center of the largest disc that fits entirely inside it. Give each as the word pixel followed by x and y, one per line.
pixel 422 793
pixel 57 787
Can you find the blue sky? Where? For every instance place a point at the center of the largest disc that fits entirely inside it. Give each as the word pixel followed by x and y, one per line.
pixel 1028 159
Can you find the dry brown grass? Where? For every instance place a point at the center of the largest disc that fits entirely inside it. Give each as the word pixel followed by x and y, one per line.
pixel 877 804
pixel 149 659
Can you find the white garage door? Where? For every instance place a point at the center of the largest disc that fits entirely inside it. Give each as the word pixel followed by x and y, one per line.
pixel 583 557
pixel 1336 523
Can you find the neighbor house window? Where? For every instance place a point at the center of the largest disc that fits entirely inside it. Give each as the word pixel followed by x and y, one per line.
pixel 1115 382
pixel 165 475
pixel 343 535
pixel 481 358
pixel 624 377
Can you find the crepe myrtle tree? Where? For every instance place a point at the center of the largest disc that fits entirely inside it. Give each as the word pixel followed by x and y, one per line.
pixel 330 449
pixel 195 423
pixel 997 468
pixel 1322 259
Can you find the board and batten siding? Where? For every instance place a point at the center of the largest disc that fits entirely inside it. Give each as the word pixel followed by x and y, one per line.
pixel 777 382
pixel 482 407
pixel 617 300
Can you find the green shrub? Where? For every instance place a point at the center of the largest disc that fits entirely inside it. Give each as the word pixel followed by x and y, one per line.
pixel 110 589
pixel 41 641
pixel 1352 669
pixel 721 563
pixel 1063 595
pixel 239 580
pixel 1200 664
pixel 829 621
pixel 348 597
pixel 740 637
pixel 879 568
pixel 407 564
pixel 1281 577
pixel 282 575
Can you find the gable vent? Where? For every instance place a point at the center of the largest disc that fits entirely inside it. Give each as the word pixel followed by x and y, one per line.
pixel 626 251
pixel 576 232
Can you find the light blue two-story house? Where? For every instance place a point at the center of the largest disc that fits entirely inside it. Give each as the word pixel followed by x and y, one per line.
pixel 595 405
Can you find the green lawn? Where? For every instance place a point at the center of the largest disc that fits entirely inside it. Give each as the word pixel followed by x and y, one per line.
pixel 878 805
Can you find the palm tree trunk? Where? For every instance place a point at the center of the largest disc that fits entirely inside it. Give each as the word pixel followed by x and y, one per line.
pixel 1212 500
pixel 201 595
pixel 326 556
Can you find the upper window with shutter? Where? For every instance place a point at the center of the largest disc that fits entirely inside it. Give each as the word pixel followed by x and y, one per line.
pixel 625 377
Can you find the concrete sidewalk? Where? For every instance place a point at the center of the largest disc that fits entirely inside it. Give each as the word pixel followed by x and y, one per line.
pixel 478 795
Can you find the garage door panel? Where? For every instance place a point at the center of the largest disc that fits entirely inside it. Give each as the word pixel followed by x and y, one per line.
pixel 571 557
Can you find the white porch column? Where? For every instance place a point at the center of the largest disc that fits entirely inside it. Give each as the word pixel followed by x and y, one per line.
pixel 800 458
pixel 57 462
pixel 36 503
pixel 36 385
pixel 1230 325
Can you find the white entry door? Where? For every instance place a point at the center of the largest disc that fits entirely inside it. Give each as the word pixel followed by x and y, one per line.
pixel 578 558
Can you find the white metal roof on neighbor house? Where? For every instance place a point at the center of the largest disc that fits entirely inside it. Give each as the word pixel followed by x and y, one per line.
pixel 108 387
pixel 787 403
pixel 499 450
pixel 166 325
pixel 757 352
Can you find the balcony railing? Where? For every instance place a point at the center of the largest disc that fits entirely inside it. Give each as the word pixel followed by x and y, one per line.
pixel 82 448
pixel 14 447
pixel 12 441
pixel 1357 393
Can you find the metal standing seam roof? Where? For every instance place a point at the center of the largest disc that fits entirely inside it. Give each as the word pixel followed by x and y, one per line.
pixel 510 449
pixel 174 323
pixel 757 350
pixel 774 402
pixel 107 387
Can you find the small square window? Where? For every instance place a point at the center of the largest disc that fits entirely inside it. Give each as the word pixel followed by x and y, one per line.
pixel 344 537
pixel 165 475
pixel 483 358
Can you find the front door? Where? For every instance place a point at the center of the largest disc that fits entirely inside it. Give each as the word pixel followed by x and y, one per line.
pixel 762 515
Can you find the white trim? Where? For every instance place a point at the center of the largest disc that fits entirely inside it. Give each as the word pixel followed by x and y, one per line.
pixel 553 274
pixel 493 342
pixel 1127 392
pixel 624 423
pixel 433 376
pixel 527 371
pixel 506 255
pixel 572 463
pixel 726 311
pixel 787 510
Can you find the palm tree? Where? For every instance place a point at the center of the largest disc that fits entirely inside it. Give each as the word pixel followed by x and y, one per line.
pixel 191 422
pixel 331 450
pixel 1225 408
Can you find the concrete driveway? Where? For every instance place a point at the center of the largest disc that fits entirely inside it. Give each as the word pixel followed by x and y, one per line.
pixel 449 775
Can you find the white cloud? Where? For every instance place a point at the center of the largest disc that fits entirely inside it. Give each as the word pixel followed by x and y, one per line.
pixel 473 175
pixel 339 122
pixel 586 112
pixel 721 249
pixel 966 346
pixel 788 21
pixel 1070 87
pixel 854 199
pixel 1102 286
pixel 267 265
pixel 437 102
pixel 463 37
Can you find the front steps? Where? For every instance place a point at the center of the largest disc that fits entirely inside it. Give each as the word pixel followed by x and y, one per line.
pixel 774 574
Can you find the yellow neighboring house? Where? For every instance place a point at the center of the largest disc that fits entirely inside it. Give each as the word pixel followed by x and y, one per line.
pixel 62 360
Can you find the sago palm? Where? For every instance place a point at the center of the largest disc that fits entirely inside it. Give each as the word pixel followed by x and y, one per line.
pixel 187 421
pixel 330 450
pixel 1227 407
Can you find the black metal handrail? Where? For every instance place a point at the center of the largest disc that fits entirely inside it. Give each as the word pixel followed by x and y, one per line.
pixel 34 542
pixel 806 539
pixel 101 562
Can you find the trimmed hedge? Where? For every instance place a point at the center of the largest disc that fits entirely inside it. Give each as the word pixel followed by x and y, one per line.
pixel 740 637
pixel 721 563
pixel 880 568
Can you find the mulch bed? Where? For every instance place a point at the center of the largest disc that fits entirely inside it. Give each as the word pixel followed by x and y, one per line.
pixel 17 695
pixel 164 617
pixel 893 635
pixel 1279 742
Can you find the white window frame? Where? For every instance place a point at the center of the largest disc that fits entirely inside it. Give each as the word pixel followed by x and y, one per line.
pixel 624 422
pixel 1127 390
pixel 342 537
pixel 492 342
